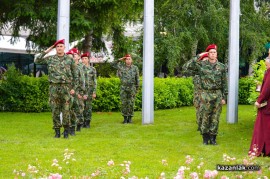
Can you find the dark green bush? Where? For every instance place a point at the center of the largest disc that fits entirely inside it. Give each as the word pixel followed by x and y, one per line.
pixel 30 94
pixel 246 85
pixel 23 93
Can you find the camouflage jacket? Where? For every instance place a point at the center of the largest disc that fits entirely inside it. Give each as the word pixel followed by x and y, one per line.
pixel 213 76
pixel 90 79
pixel 81 79
pixel 60 70
pixel 129 76
pixel 196 78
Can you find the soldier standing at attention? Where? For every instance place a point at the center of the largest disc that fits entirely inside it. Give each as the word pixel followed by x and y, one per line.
pixel 77 100
pixel 197 88
pixel 213 76
pixel 91 87
pixel 82 89
pixel 62 78
pixel 130 81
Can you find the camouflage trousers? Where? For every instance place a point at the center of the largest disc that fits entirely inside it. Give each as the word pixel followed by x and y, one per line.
pixel 127 96
pixel 87 112
pixel 196 103
pixel 60 103
pixel 77 109
pixel 210 110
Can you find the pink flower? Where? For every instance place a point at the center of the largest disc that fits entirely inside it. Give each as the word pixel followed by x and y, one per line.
pixel 110 163
pixel 188 159
pixel 224 177
pixel 55 176
pixel 194 175
pixel 207 174
pixel 210 174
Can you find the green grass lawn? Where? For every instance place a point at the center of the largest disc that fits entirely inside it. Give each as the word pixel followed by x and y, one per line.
pixel 27 139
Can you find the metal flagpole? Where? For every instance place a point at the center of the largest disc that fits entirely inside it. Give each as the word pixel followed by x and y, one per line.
pixel 233 75
pixel 148 63
pixel 63 25
pixel 63 21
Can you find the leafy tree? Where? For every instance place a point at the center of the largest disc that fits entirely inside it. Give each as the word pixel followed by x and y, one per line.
pixel 186 29
pixel 90 20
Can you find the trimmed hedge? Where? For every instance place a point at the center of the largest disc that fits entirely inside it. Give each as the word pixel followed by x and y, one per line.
pixel 22 93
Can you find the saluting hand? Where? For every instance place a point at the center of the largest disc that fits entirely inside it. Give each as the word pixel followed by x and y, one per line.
pixel 121 59
pixel 49 49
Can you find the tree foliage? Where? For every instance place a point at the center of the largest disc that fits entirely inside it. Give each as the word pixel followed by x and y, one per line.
pixel 89 19
pixel 185 28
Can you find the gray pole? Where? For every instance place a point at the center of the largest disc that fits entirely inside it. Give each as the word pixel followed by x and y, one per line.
pixel 63 21
pixel 233 79
pixel 148 63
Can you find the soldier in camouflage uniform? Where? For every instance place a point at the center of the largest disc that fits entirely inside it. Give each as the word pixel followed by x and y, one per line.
pixel 197 88
pixel 130 81
pixel 213 76
pixel 78 101
pixel 91 87
pixel 62 75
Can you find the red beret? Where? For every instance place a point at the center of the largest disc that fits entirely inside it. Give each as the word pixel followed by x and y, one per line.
pixel 87 54
pixel 75 50
pixel 203 56
pixel 127 55
pixel 62 41
pixel 212 46
pixel 70 52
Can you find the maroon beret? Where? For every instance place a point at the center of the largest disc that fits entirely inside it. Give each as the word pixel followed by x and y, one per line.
pixel 87 54
pixel 75 50
pixel 203 56
pixel 127 55
pixel 212 46
pixel 62 41
pixel 70 52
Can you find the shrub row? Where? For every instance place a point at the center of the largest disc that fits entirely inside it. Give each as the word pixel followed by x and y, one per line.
pixel 29 94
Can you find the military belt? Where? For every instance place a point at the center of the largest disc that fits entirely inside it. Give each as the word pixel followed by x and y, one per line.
pixel 59 83
pixel 211 90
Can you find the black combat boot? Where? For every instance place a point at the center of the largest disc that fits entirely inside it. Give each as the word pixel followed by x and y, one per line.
pixel 213 139
pixel 78 129
pixel 129 119
pixel 205 139
pixel 87 124
pixel 84 124
pixel 72 130
pixel 125 120
pixel 66 131
pixel 57 133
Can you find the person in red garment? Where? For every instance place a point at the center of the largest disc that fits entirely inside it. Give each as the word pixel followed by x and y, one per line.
pixel 260 144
